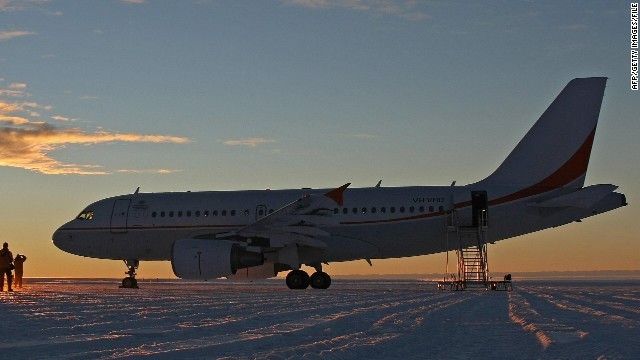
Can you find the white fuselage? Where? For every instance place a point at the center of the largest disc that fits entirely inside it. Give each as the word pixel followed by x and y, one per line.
pixel 372 223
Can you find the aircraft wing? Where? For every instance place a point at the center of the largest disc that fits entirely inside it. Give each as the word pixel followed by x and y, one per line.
pixel 299 222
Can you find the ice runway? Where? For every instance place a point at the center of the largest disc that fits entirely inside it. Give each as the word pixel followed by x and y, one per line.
pixel 353 319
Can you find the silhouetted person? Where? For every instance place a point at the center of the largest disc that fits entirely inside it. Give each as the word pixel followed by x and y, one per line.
pixel 18 262
pixel 6 264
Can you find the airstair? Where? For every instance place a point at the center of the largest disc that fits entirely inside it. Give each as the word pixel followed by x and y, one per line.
pixel 470 244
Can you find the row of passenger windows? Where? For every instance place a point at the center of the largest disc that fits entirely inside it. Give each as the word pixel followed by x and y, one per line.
pixel 383 210
pixel 205 213
pixel 345 210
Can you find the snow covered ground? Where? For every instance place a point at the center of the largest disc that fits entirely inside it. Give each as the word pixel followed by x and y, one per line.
pixel 353 319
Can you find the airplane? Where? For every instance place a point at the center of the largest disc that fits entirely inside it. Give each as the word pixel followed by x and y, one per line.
pixel 255 234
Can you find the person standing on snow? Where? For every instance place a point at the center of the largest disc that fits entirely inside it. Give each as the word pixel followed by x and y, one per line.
pixel 18 262
pixel 6 265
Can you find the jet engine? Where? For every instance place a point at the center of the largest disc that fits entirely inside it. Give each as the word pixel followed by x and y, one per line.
pixel 200 259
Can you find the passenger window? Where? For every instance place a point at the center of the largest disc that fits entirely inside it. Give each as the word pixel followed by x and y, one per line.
pixel 355 210
pixel 162 214
pixel 170 213
pixel 421 209
pixel 364 210
pixel 345 211
pixel 233 213
pixel 197 213
pixel 335 210
pixel 383 209
pixel 430 208
pixel 154 214
pixel 214 213
pixel 401 209
pixel 373 210
pixel 188 213
pixel 179 213
pixel 393 209
pixel 246 212
pixel 412 209
pixel 206 213
pixel 224 212
pixel 441 208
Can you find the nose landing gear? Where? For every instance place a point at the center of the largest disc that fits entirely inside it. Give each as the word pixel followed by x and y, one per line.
pixel 130 282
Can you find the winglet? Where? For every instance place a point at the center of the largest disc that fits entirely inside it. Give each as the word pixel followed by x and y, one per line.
pixel 336 194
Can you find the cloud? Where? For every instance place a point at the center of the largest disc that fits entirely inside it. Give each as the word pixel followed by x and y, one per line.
pixel 12 93
pixel 250 142
pixel 28 144
pixel 152 171
pixel 315 4
pixel 61 118
pixel 17 86
pixel 8 35
pixel 13 120
pixel 18 5
pixel 406 9
pixel 8 108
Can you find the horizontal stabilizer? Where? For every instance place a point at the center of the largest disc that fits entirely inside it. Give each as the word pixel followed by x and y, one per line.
pixel 584 198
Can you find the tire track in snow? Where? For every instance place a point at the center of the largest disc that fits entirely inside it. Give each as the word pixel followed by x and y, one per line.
pixel 605 303
pixel 335 318
pixel 135 325
pixel 547 331
pixel 604 330
pixel 353 319
pixel 395 321
pixel 568 305
pixel 139 317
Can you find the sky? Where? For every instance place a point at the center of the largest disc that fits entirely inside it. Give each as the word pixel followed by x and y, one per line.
pixel 98 98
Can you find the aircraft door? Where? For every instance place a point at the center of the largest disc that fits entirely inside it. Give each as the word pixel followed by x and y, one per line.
pixel 261 211
pixel 119 216
pixel 479 208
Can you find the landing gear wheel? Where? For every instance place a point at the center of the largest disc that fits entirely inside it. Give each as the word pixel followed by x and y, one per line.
pixel 130 283
pixel 320 280
pixel 298 279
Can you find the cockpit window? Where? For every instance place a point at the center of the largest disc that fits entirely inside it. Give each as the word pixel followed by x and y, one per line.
pixel 86 215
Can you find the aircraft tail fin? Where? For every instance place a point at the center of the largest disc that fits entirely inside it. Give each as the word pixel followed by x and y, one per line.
pixel 555 152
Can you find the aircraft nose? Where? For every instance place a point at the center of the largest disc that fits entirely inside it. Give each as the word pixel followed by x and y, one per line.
pixel 60 238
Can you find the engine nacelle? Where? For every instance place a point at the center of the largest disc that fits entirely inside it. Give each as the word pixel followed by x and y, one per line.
pixel 210 259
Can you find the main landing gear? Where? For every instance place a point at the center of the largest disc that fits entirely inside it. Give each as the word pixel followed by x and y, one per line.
pixel 130 282
pixel 299 279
